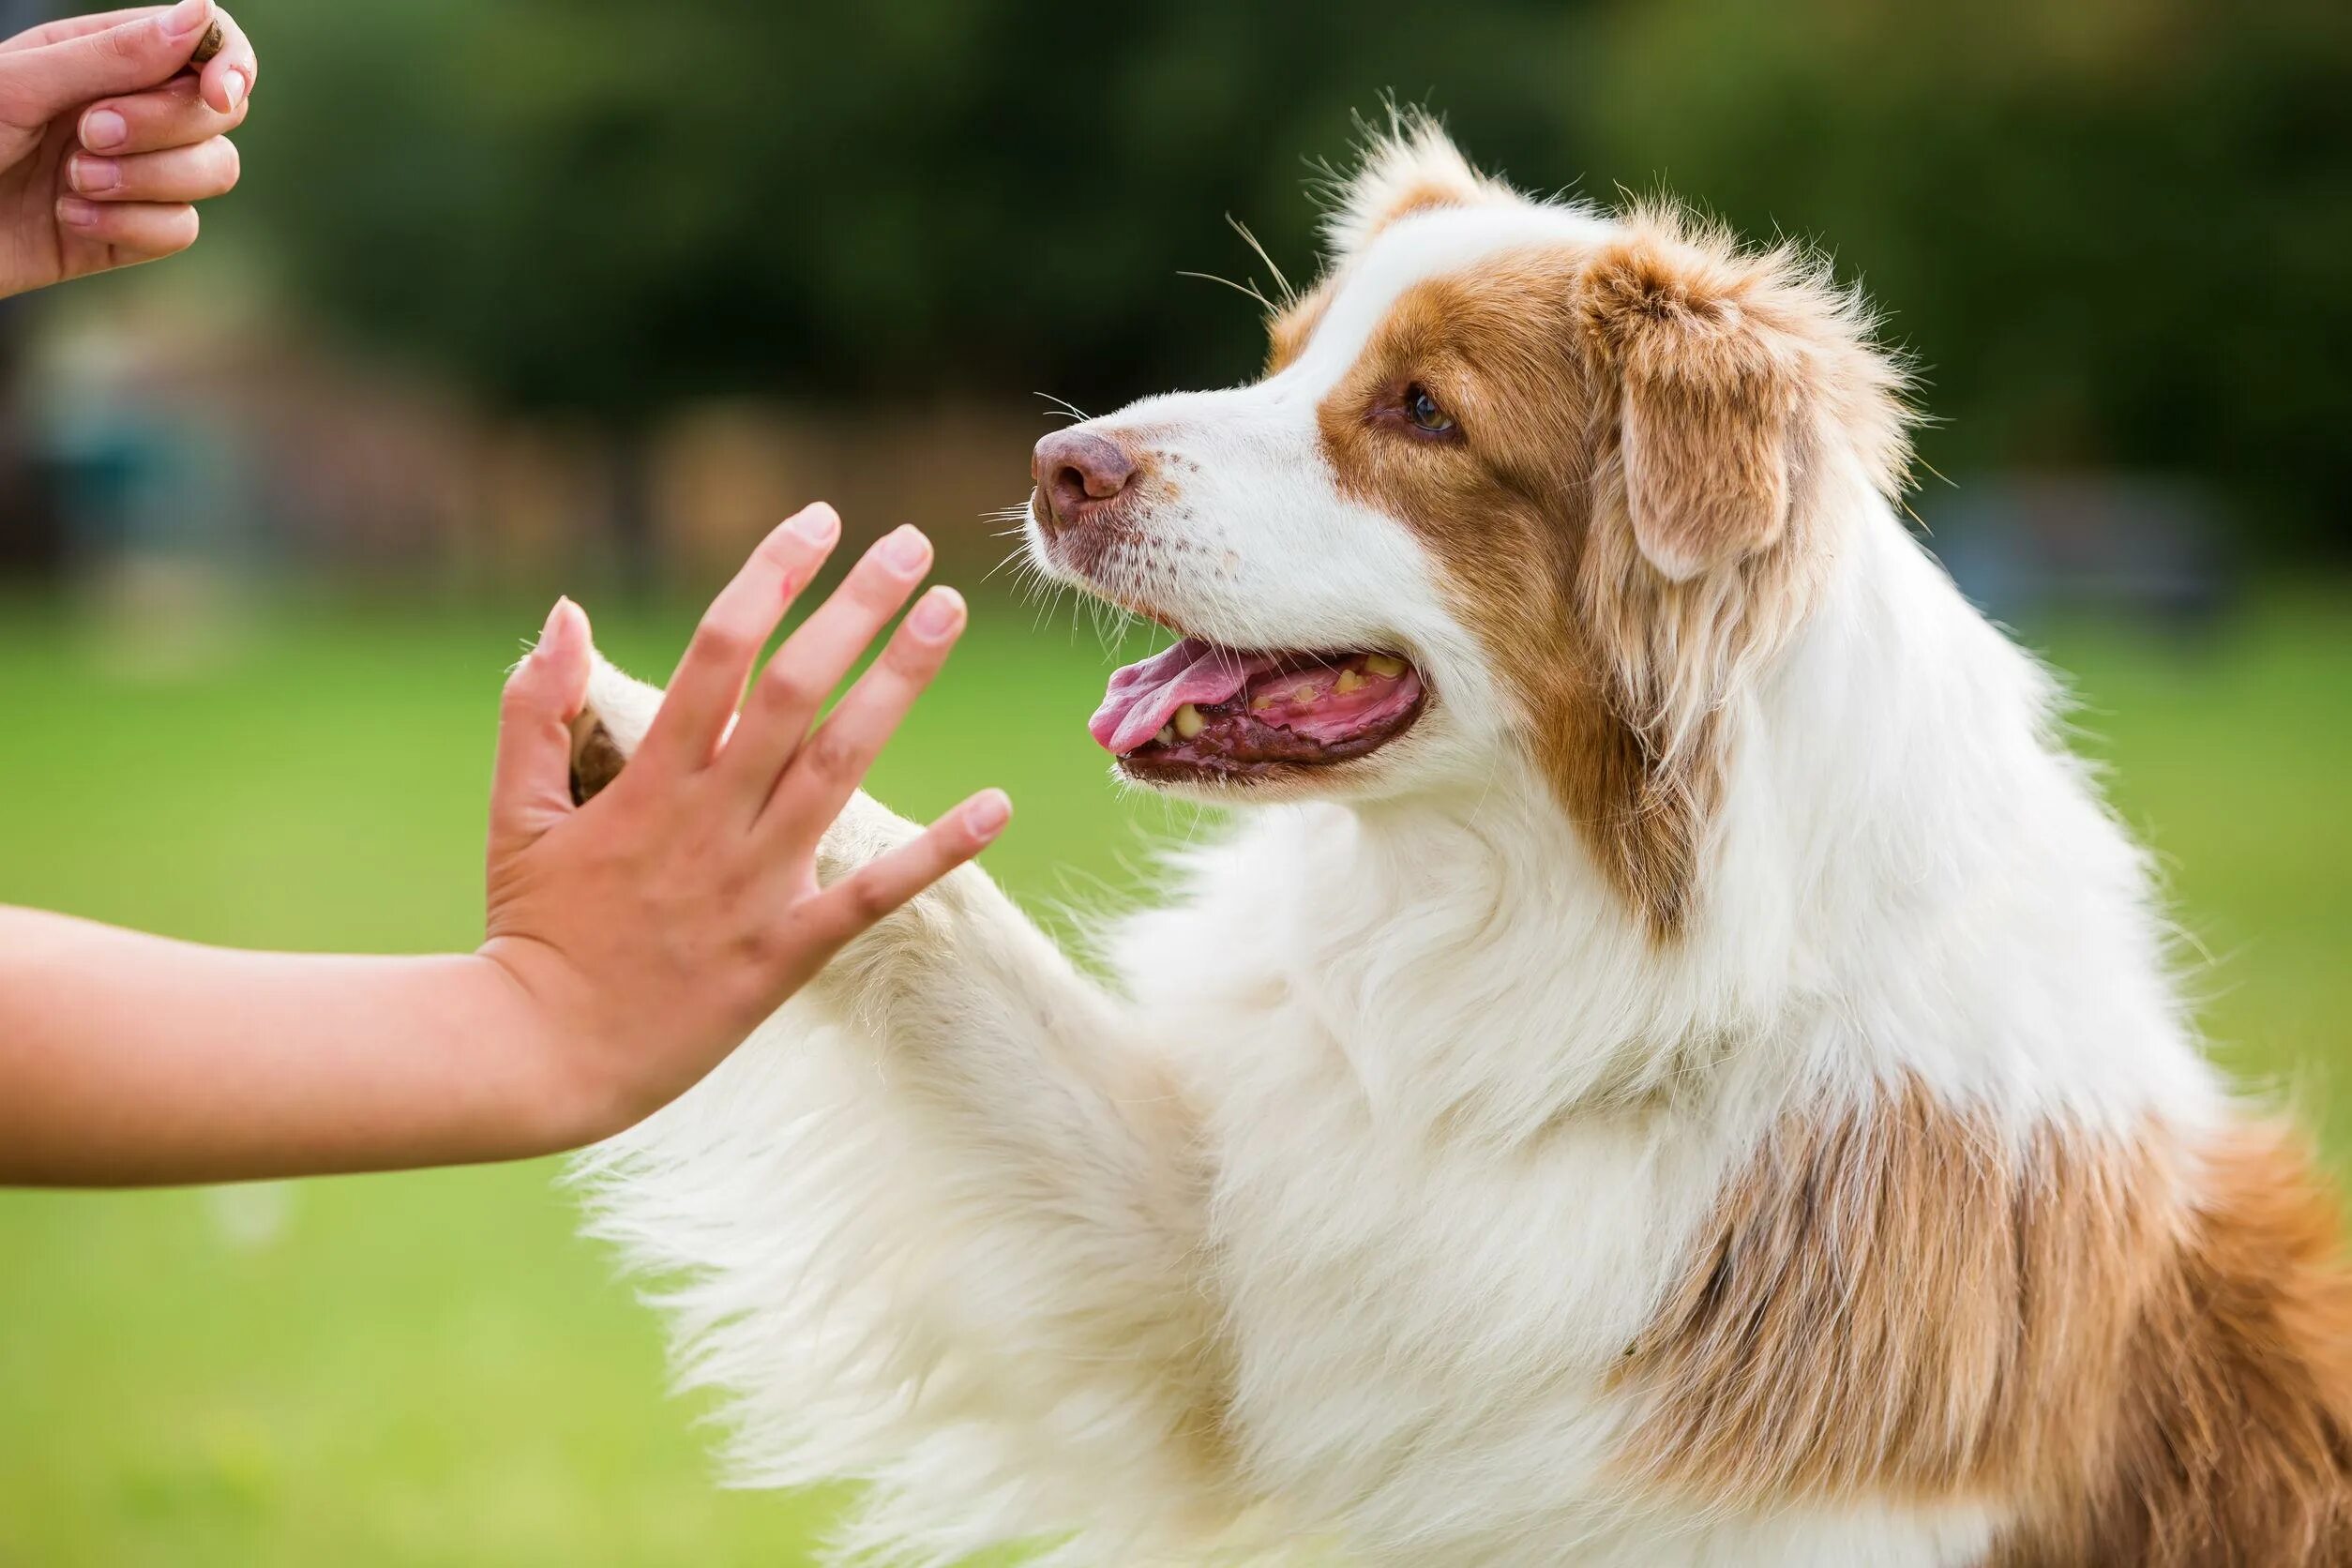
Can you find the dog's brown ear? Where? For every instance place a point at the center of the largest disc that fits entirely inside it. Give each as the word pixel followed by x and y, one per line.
pixel 1411 167
pixel 1707 386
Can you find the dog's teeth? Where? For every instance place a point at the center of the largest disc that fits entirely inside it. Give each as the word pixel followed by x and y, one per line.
pixel 1302 694
pixel 1167 736
pixel 1189 722
pixel 1387 666
pixel 1349 680
pixel 1260 702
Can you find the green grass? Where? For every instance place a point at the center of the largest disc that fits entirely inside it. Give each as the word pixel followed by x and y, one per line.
pixel 431 1369
pixel 2231 759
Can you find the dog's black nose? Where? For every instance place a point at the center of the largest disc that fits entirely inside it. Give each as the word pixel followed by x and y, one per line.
pixel 1078 473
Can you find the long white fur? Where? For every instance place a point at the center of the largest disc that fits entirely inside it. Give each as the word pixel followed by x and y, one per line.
pixel 1387 1134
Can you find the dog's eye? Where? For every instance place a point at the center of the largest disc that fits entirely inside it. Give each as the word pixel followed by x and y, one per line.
pixel 1423 410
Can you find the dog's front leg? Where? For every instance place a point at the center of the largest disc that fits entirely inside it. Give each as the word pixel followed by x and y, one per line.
pixel 948 1202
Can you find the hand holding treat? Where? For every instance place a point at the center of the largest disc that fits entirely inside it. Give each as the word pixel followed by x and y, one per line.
pixel 111 127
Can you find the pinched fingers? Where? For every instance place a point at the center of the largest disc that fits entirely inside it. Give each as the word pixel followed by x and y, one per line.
pixel 228 77
pixel 886 883
pixel 813 661
pixel 173 115
pixel 709 679
pixel 175 174
pixel 65 27
pixel 827 770
pixel 133 51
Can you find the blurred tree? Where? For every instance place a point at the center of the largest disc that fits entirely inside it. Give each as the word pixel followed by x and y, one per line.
pixel 2113 231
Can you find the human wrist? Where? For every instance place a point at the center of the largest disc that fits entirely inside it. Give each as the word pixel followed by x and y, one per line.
pixel 561 1094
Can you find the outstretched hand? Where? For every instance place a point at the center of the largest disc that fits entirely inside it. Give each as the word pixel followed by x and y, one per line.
pixel 108 135
pixel 632 942
pixel 654 927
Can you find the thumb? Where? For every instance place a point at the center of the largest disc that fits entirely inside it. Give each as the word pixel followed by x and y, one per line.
pixel 531 785
pixel 38 84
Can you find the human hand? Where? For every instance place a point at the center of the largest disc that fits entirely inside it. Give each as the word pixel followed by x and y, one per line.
pixel 104 143
pixel 651 930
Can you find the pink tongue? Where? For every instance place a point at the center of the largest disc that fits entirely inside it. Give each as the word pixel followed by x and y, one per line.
pixel 1143 697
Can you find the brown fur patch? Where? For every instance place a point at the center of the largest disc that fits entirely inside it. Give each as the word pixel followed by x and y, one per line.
pixel 1705 402
pixel 1426 194
pixel 1506 506
pixel 1897 1301
pixel 1901 1303
pixel 1677 306
pixel 1627 511
pixel 596 762
pixel 1743 384
pixel 2231 1446
pixel 1289 329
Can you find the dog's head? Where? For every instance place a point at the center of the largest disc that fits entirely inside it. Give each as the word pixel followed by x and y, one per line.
pixel 1521 477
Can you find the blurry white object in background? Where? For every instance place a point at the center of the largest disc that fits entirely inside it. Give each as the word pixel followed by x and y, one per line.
pixel 249 1216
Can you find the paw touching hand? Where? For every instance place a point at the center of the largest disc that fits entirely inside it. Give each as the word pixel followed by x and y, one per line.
pixel 654 925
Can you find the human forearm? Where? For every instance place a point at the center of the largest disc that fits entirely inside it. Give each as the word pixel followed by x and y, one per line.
pixel 133 1060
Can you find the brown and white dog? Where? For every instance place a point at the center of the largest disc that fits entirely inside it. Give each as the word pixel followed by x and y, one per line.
pixel 1673 1064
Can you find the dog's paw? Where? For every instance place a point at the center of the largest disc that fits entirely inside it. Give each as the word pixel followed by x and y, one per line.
pixel 866 830
pixel 608 727
pixel 619 710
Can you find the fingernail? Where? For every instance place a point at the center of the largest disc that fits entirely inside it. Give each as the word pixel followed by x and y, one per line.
pixel 819 524
pixel 907 549
pixel 75 213
pixel 103 129
pixel 184 17
pixel 985 817
pixel 552 634
pixel 92 175
pixel 231 88
pixel 935 613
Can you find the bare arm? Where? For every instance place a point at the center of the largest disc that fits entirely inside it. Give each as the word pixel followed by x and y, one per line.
pixel 130 1058
pixel 632 942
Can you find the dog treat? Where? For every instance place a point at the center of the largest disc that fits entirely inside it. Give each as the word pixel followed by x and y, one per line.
pixel 207 45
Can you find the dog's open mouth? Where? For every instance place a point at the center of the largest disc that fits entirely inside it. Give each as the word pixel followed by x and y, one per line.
pixel 1198 709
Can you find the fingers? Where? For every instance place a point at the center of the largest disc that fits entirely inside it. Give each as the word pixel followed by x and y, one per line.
pixel 39 83
pixel 881 885
pixel 142 230
pixel 812 661
pixel 709 681
pixel 828 769
pixel 75 26
pixel 178 174
pixel 530 784
pixel 228 77
pixel 134 198
pixel 173 115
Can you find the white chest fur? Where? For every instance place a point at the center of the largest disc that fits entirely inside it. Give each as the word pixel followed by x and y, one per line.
pixel 1425 1303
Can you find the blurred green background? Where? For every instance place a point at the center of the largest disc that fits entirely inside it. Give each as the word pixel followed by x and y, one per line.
pixel 523 296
